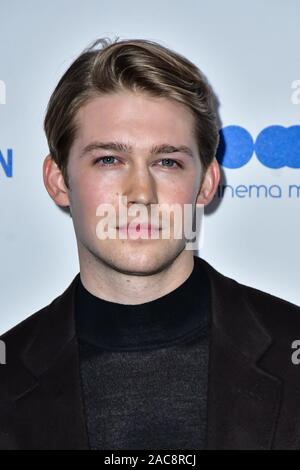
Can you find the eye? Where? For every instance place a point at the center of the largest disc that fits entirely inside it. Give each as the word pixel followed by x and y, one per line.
pixel 105 161
pixel 170 160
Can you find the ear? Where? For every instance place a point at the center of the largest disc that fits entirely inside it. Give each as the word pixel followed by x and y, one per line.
pixel 209 183
pixel 54 182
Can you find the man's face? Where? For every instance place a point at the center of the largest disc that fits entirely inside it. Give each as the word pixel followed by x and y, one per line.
pixel 144 178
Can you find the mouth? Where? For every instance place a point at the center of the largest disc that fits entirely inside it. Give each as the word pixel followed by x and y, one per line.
pixel 139 228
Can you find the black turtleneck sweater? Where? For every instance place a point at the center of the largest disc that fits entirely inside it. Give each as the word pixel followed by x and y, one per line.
pixel 144 368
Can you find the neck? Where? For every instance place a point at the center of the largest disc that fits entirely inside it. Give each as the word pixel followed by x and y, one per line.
pixel 105 281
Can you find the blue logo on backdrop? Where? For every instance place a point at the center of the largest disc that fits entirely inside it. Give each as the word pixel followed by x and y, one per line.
pixel 275 147
pixel 7 163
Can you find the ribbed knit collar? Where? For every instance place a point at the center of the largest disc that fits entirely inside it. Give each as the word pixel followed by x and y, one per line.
pixel 167 320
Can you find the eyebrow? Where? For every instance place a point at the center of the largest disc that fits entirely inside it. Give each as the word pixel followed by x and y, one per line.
pixel 122 147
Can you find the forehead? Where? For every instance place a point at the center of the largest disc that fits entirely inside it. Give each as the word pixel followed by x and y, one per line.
pixel 135 116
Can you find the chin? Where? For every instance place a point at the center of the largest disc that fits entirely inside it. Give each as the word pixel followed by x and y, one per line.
pixel 138 260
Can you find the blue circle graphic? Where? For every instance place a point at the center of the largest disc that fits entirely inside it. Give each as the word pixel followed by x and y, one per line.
pixel 236 147
pixel 279 146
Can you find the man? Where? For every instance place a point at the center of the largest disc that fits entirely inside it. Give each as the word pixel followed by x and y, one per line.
pixel 149 347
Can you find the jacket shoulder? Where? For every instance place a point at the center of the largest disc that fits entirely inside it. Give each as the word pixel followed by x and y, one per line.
pixel 279 315
pixel 27 327
pixel 25 330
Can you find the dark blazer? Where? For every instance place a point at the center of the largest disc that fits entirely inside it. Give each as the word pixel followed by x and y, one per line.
pixel 253 388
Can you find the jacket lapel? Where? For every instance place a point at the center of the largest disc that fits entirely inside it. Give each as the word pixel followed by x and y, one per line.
pixel 48 408
pixel 243 400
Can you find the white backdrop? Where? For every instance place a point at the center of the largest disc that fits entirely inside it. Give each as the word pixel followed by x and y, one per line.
pixel 250 53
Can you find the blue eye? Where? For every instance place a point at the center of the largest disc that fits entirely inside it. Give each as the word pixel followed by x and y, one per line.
pixel 170 160
pixel 102 160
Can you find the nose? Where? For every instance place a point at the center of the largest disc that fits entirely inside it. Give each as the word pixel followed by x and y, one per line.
pixel 140 187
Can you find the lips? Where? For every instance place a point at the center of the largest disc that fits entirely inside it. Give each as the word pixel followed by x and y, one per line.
pixel 139 227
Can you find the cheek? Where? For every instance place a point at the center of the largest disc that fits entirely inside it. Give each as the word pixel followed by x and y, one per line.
pixel 89 191
pixel 182 190
pixel 86 201
pixel 184 194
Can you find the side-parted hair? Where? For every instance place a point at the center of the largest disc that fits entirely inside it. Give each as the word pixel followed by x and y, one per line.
pixel 109 66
